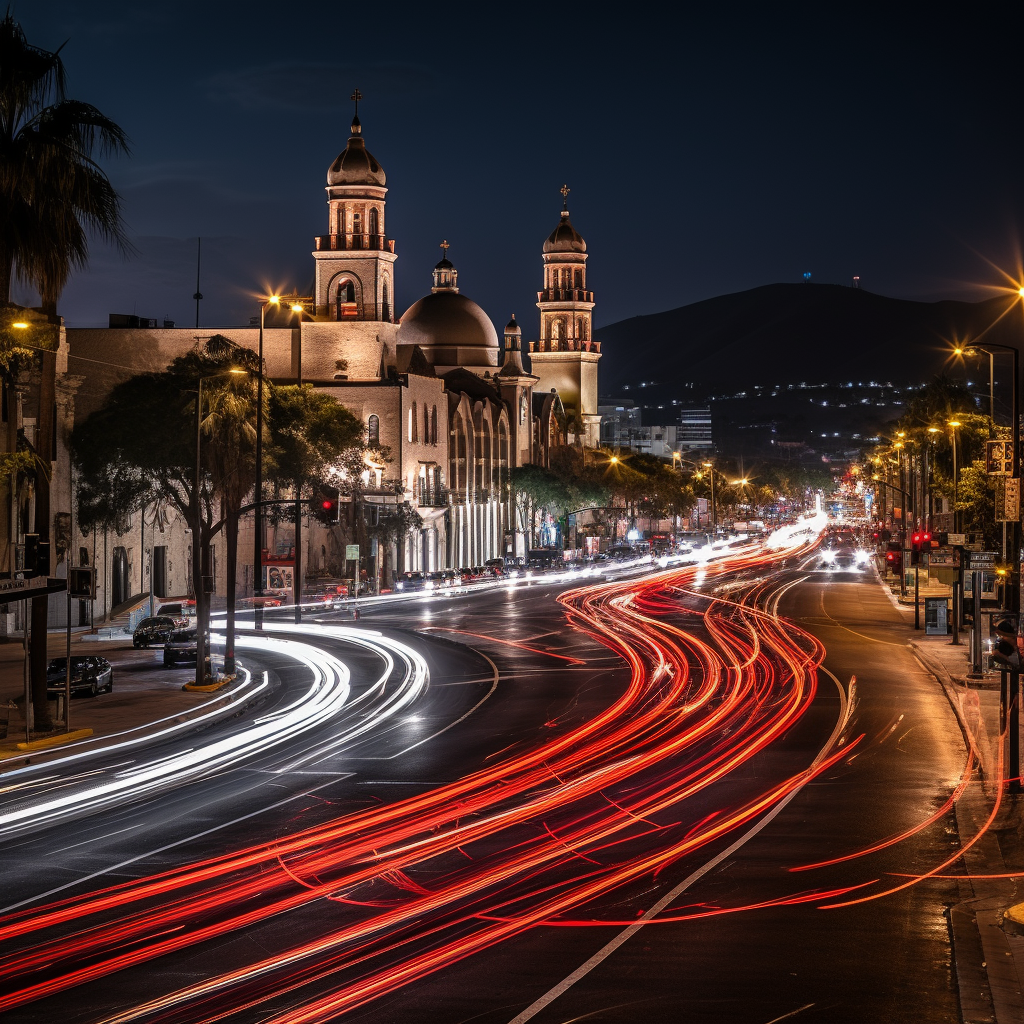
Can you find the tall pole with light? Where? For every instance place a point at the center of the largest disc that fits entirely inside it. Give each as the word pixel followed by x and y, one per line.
pixel 714 507
pixel 257 554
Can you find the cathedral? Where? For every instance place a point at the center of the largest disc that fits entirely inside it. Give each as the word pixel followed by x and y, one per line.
pixel 456 407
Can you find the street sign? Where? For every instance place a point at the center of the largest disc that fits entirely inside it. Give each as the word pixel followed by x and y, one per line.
pixel 351 552
pixel 944 557
pixel 957 540
pixel 19 590
pixel 982 559
pixel 999 458
pixel 1008 499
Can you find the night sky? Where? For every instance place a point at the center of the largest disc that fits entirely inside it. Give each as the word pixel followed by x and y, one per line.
pixel 706 153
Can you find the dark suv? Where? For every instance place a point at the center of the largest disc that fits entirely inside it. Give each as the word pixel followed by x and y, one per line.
pixel 88 673
pixel 181 646
pixel 156 629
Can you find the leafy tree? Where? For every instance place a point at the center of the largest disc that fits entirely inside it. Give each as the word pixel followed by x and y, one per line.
pixel 140 445
pixel 53 195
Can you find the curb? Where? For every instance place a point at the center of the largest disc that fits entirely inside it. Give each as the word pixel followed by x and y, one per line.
pixel 209 687
pixel 1013 919
pixel 49 741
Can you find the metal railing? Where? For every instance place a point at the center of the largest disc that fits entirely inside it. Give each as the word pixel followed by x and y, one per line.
pixel 565 295
pixel 349 241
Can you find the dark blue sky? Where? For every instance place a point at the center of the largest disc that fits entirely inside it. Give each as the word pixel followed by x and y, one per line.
pixel 706 152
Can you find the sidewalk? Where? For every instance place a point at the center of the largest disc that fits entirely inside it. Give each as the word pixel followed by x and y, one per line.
pixel 989 958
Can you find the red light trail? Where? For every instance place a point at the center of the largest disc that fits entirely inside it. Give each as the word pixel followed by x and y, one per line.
pixel 406 888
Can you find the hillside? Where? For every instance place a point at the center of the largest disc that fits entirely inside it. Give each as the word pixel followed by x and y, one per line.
pixel 787 333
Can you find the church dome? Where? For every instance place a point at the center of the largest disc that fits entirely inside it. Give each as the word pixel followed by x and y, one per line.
pixel 449 320
pixel 565 238
pixel 356 165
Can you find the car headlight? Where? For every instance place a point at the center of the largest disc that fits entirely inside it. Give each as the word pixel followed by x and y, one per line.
pixel 399 586
pixel 429 585
pixel 861 557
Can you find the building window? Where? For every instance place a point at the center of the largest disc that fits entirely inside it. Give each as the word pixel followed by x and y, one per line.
pixel 373 429
pixel 385 313
pixel 433 425
pixel 579 279
pixel 341 221
pixel 345 301
pixel 374 223
pixel 413 425
pixel 357 223
pixel 426 425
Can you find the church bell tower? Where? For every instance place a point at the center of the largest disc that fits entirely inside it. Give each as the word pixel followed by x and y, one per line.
pixel 566 356
pixel 355 260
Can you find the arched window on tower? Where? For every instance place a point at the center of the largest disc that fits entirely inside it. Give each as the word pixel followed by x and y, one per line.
pixel 433 425
pixel 413 425
pixel 357 231
pixel 373 429
pixel 385 309
pixel 339 225
pixel 584 330
pixel 346 301
pixel 579 279
pixel 426 424
pixel 374 222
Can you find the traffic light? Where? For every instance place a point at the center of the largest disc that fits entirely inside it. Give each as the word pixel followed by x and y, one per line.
pixel 326 504
pixel 920 541
pixel 894 558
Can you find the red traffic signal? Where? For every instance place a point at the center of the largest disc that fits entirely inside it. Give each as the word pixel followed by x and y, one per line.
pixel 326 504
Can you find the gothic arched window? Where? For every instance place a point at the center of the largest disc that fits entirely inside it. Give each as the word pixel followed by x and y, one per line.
pixel 373 429
pixel 433 425
pixel 579 279
pixel 374 223
pixel 385 312
pixel 426 424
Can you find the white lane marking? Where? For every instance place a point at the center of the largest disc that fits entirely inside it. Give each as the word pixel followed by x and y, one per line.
pixel 95 839
pixel 627 933
pixel 450 725
pixel 792 1013
pixel 163 849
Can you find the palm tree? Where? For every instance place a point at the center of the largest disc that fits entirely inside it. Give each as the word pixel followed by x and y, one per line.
pixel 52 195
pixel 52 191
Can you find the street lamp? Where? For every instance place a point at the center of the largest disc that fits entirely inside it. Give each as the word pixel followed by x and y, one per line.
pixel 714 506
pixel 257 554
pixel 956 476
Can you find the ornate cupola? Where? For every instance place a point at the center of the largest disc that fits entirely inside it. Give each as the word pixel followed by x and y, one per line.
pixel 446 277
pixel 566 356
pixel 355 260
pixel 513 364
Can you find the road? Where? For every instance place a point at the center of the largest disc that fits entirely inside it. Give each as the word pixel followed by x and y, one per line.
pixel 671 759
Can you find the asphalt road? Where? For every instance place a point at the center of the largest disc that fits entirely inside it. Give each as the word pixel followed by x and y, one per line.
pixel 517 677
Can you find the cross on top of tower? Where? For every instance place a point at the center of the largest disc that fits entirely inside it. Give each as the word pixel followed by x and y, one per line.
pixel 356 97
pixel 444 248
pixel 565 196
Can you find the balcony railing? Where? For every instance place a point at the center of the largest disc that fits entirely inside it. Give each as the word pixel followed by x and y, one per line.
pixel 434 497
pixel 565 295
pixel 349 242
pixel 565 345
pixel 356 311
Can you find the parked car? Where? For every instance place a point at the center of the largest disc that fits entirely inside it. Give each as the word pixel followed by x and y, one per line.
pixel 181 647
pixel 410 582
pixel 156 629
pixel 88 673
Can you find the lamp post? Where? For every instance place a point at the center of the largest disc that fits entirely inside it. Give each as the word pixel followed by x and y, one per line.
pixel 257 553
pixel 929 451
pixel 297 307
pixel 953 424
pixel 714 506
